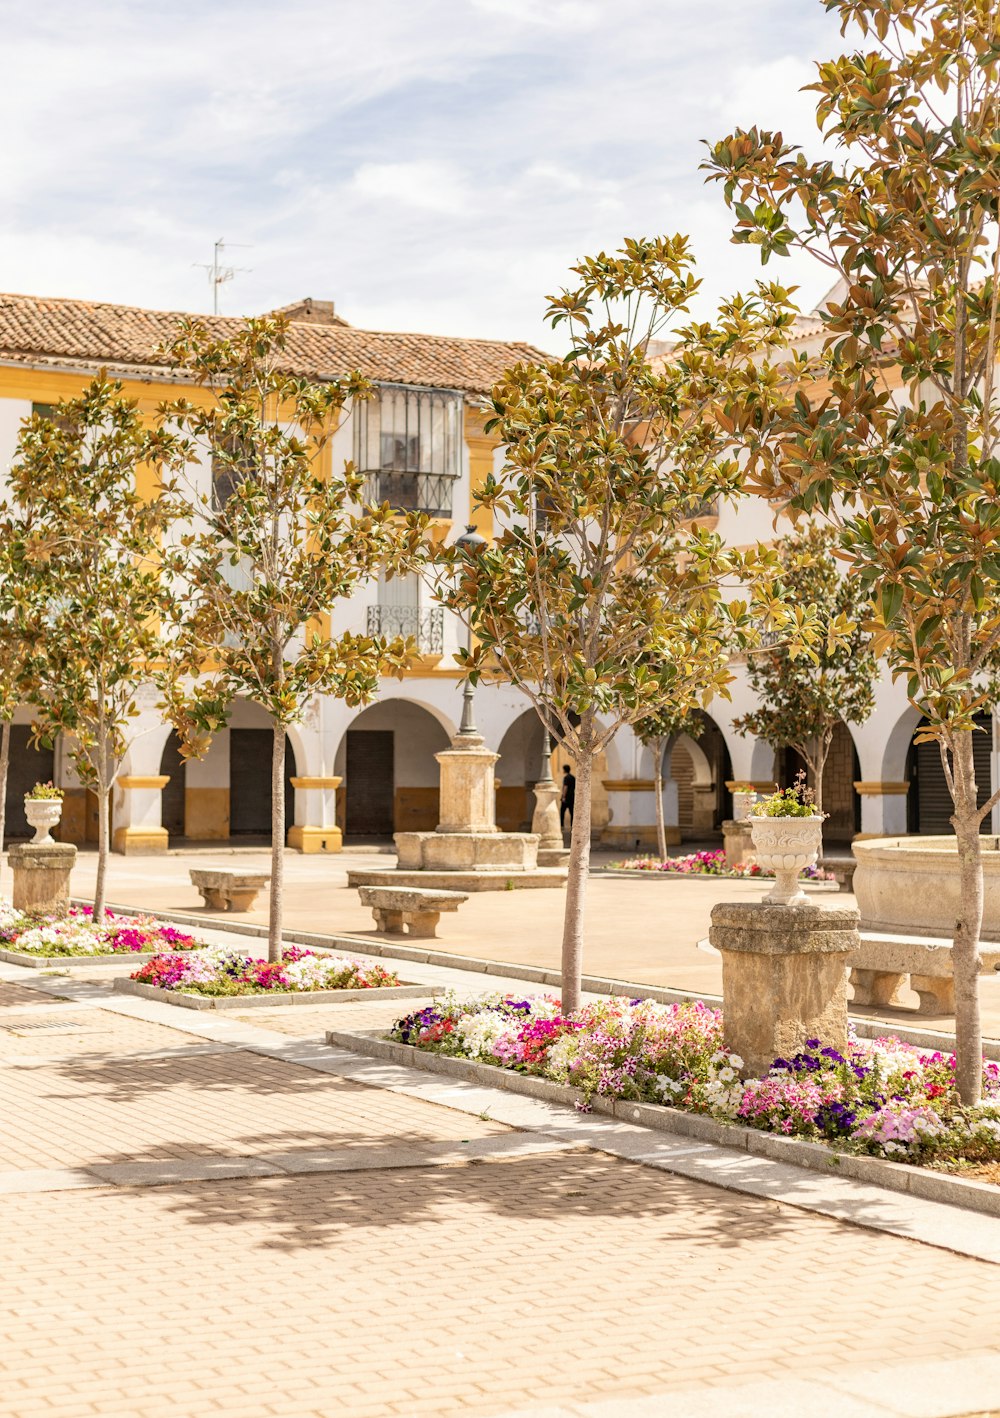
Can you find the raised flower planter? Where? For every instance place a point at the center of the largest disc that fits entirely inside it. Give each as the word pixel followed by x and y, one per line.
pixel 666 1065
pixel 220 978
pixel 708 863
pixel 75 939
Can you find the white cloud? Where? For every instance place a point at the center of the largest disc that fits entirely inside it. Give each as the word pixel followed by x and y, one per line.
pixel 434 165
pixel 431 186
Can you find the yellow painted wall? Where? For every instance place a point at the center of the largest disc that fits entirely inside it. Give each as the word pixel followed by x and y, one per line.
pixel 206 814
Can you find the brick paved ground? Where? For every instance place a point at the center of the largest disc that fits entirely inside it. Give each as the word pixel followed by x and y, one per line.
pixel 436 1289
pixel 451 1290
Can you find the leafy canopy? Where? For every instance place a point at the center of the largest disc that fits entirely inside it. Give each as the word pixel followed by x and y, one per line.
pixel 888 423
pixel 83 567
pixel 604 596
pixel 279 535
pixel 802 699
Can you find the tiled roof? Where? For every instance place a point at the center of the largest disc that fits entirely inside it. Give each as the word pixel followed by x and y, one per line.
pixel 81 334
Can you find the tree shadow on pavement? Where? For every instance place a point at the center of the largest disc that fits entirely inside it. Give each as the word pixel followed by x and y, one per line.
pixel 309 1211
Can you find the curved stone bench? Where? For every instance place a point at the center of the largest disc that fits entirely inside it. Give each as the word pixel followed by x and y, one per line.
pixel 416 910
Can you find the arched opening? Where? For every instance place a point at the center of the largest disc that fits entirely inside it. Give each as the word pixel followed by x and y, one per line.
pixel 226 793
pixel 172 794
pixel 841 802
pixel 386 759
pixel 250 753
pixel 699 764
pixel 28 766
pixel 517 771
pixel 928 801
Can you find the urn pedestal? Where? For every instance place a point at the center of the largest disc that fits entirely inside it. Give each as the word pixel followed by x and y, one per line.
pixel 41 876
pixel 784 978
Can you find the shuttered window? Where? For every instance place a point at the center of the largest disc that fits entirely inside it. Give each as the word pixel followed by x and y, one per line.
pixel 934 806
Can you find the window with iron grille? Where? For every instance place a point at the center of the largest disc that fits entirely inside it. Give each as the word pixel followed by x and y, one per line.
pixel 408 443
pixel 231 465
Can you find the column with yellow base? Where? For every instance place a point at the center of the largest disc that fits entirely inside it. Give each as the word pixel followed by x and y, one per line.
pixel 883 808
pixel 315 827
pixel 139 829
pixel 632 815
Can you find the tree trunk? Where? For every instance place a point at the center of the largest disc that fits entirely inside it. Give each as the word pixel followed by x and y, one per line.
pixel 103 835
pixel 965 948
pixel 661 829
pixel 576 888
pixel 4 766
pixel 277 843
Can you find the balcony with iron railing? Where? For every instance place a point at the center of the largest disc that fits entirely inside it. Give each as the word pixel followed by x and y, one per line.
pixel 431 493
pixel 426 626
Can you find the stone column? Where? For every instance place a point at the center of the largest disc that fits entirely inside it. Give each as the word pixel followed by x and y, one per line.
pixel 632 807
pixel 468 794
pixel 139 829
pixel 738 842
pixel 315 828
pixel 883 808
pixel 784 977
pixel 41 877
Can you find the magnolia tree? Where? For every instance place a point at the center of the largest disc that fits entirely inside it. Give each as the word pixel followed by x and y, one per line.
pixel 600 598
pixel 83 572
pixel 803 699
pixel 277 540
pixel 892 428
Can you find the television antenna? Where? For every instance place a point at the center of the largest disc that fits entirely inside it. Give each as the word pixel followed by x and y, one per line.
pixel 218 273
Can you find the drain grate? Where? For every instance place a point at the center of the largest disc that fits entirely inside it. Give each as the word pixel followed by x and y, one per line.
pixel 47 1026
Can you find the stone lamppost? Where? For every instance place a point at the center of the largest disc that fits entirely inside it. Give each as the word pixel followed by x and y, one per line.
pixel 545 820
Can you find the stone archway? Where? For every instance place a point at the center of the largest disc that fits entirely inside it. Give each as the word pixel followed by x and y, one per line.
pixel 697 769
pixel 517 771
pixel 389 771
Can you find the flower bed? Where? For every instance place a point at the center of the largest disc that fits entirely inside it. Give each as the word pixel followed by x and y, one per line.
pixel 76 934
pixel 710 864
pixel 879 1097
pixel 220 971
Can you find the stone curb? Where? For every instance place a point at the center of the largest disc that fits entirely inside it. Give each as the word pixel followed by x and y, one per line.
pixel 60 962
pixel 272 997
pixel 813 1156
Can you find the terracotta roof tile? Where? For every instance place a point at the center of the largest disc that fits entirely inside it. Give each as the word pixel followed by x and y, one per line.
pixel 84 334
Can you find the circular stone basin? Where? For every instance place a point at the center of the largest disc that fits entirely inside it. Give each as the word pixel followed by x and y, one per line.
pixel 911 884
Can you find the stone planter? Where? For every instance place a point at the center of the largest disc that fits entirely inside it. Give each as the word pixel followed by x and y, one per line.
pixel 741 805
pixel 910 885
pixel 786 845
pixel 43 814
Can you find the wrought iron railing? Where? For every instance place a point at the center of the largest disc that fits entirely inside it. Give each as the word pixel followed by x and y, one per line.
pixel 433 493
pixel 708 507
pixel 426 626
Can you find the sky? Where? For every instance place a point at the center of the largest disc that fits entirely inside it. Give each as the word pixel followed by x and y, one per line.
pixel 428 165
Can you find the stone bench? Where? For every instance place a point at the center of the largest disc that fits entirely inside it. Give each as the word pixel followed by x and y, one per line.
pixel 842 870
pixel 415 909
pixel 879 969
pixel 229 888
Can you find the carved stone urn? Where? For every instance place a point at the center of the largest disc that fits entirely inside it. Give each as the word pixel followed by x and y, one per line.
pixel 42 815
pixel 786 845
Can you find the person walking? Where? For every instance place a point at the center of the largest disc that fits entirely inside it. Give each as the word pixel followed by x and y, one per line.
pixel 568 797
